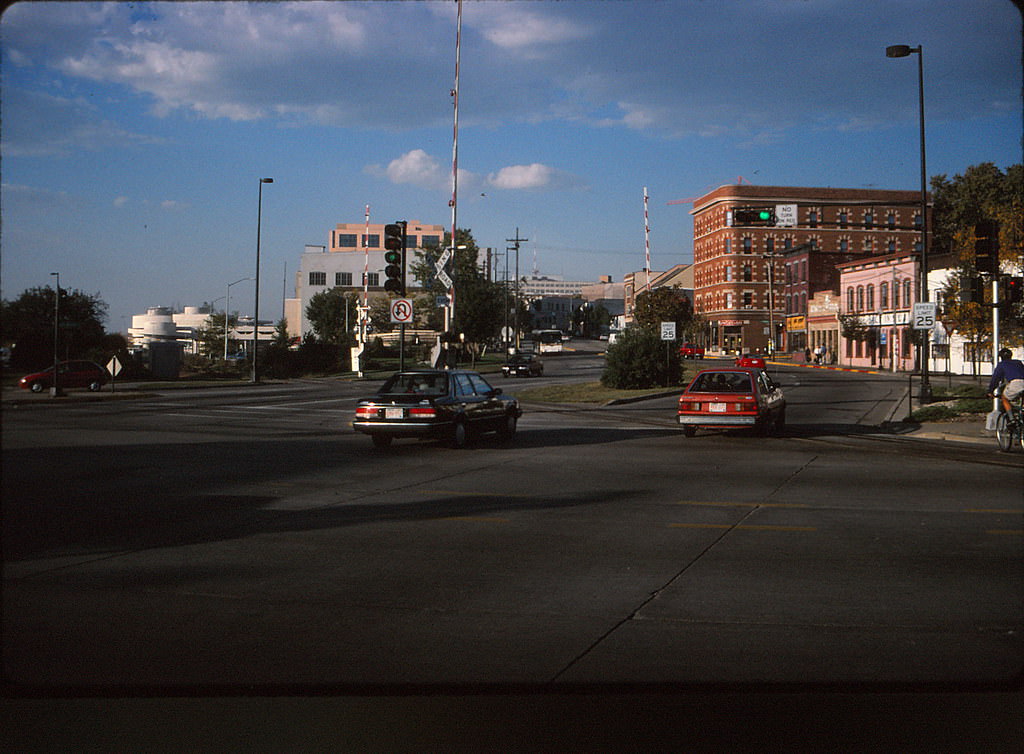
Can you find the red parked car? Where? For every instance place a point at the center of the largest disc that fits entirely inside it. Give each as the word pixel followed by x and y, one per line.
pixel 691 351
pixel 69 374
pixel 750 360
pixel 731 398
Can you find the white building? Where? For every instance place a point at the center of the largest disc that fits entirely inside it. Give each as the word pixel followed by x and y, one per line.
pixel 160 324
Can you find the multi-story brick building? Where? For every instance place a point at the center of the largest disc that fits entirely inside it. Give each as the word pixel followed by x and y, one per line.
pixel 733 263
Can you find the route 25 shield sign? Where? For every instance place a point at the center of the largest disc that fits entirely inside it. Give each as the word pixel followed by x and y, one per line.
pixel 401 311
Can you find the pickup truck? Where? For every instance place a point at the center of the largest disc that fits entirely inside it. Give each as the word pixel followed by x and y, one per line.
pixel 691 351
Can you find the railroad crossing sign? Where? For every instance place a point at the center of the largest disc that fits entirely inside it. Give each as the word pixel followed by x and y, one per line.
pixel 401 311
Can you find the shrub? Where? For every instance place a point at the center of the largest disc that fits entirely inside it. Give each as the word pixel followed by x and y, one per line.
pixel 639 359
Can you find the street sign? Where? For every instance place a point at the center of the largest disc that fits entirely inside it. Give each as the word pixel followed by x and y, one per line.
pixel 114 367
pixel 785 215
pixel 668 330
pixel 924 315
pixel 443 277
pixel 443 259
pixel 401 311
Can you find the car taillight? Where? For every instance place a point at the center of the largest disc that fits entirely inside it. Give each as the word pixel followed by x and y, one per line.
pixel 366 412
pixel 423 413
pixel 689 406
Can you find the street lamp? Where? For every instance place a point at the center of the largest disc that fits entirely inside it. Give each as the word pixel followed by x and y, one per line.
pixel 256 308
pixel 55 387
pixel 227 308
pixel 902 51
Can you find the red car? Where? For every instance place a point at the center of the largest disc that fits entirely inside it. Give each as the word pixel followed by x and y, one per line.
pixel 691 351
pixel 731 398
pixel 750 360
pixel 69 374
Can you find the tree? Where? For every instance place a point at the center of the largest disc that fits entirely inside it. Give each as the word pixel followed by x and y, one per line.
pixel 663 305
pixel 27 323
pixel 332 314
pixel 210 336
pixel 640 359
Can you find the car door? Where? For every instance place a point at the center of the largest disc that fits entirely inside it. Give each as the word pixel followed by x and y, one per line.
pixel 469 402
pixel 769 395
pixel 491 407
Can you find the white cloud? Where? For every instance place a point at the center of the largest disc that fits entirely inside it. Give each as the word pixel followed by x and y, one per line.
pixel 518 29
pixel 120 201
pixel 527 177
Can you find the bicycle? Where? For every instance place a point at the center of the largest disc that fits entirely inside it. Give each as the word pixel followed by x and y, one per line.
pixel 1010 425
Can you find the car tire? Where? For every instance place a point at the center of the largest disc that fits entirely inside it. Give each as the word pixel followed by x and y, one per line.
pixel 460 435
pixel 508 429
pixel 381 441
pixel 689 431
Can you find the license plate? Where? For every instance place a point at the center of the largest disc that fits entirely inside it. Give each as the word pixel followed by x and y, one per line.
pixel 716 408
pixel 394 413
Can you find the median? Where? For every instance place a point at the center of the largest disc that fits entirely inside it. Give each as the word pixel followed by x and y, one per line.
pixel 593 393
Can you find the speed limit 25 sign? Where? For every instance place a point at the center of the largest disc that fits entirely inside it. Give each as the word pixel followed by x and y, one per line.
pixel 924 315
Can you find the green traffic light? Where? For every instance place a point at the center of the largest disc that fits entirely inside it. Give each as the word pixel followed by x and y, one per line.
pixel 764 215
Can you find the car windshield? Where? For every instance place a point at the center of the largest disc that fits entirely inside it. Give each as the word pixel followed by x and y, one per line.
pixel 520 359
pixel 722 382
pixel 416 383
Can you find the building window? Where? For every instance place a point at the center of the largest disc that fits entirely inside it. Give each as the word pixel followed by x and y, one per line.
pixel 883 295
pixel 770 245
pixel 431 241
pixel 844 219
pixel 907 296
pixel 871 298
pixel 747 244
pixel 728 246
pixel 789 274
pixel 860 298
pixel 849 299
pixel 748 299
pixel 787 244
pixel 844 245
pixel 748 273
pixel 346 241
pixel 318 278
pixel 373 240
pixel 869 245
pixel 372 278
pixel 812 218
pixel 891 246
pixel 895 295
pixel 869 219
pixel 917 221
pixel 343 279
pixel 728 273
pixel 891 220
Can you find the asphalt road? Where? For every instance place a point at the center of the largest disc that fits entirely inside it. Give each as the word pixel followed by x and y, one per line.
pixel 225 540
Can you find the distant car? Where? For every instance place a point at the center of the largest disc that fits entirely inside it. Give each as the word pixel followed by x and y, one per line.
pixel 69 374
pixel 750 360
pixel 691 351
pixel 449 404
pixel 523 365
pixel 731 398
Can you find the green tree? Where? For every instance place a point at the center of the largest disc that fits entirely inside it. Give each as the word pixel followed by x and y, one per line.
pixel 663 305
pixel 27 323
pixel 210 336
pixel 640 359
pixel 332 314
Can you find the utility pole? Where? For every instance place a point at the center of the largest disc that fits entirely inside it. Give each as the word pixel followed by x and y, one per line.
pixel 515 245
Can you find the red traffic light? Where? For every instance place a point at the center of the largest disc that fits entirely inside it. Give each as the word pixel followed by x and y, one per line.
pixel 394 237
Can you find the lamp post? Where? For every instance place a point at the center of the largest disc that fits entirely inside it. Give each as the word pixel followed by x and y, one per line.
pixel 256 308
pixel 902 51
pixel 227 308
pixel 55 387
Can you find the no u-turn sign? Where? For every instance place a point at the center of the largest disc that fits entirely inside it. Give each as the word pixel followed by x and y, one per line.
pixel 401 311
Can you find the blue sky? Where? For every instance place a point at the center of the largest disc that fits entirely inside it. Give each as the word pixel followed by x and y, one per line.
pixel 134 134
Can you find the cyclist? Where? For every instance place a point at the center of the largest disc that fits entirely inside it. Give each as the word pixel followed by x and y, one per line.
pixel 1011 370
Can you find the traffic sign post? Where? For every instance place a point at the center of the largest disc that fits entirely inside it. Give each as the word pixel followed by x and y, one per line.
pixel 668 334
pixel 923 315
pixel 114 367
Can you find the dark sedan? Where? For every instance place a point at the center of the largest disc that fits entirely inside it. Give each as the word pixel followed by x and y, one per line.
pixel 523 365
pixel 454 405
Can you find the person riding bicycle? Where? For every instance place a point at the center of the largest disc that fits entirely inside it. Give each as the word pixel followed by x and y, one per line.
pixel 1011 370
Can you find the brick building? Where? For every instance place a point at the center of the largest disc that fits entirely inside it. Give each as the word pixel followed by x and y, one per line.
pixel 734 262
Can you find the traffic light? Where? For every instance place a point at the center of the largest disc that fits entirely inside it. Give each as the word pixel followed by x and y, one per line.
pixel 754 216
pixel 986 247
pixel 972 290
pixel 1013 288
pixel 394 258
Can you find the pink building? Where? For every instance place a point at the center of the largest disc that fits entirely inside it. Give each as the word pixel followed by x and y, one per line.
pixel 877 295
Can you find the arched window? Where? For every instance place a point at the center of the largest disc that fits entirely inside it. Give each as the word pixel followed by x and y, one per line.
pixel 860 298
pixel 883 295
pixel 849 299
pixel 907 295
pixel 871 298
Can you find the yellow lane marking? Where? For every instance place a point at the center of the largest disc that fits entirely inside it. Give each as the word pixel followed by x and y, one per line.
pixel 746 527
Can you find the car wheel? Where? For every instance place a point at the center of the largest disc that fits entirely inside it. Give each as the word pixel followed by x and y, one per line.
pixel 460 435
pixel 381 441
pixel 36 387
pixel 689 431
pixel 508 429
pixel 95 386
